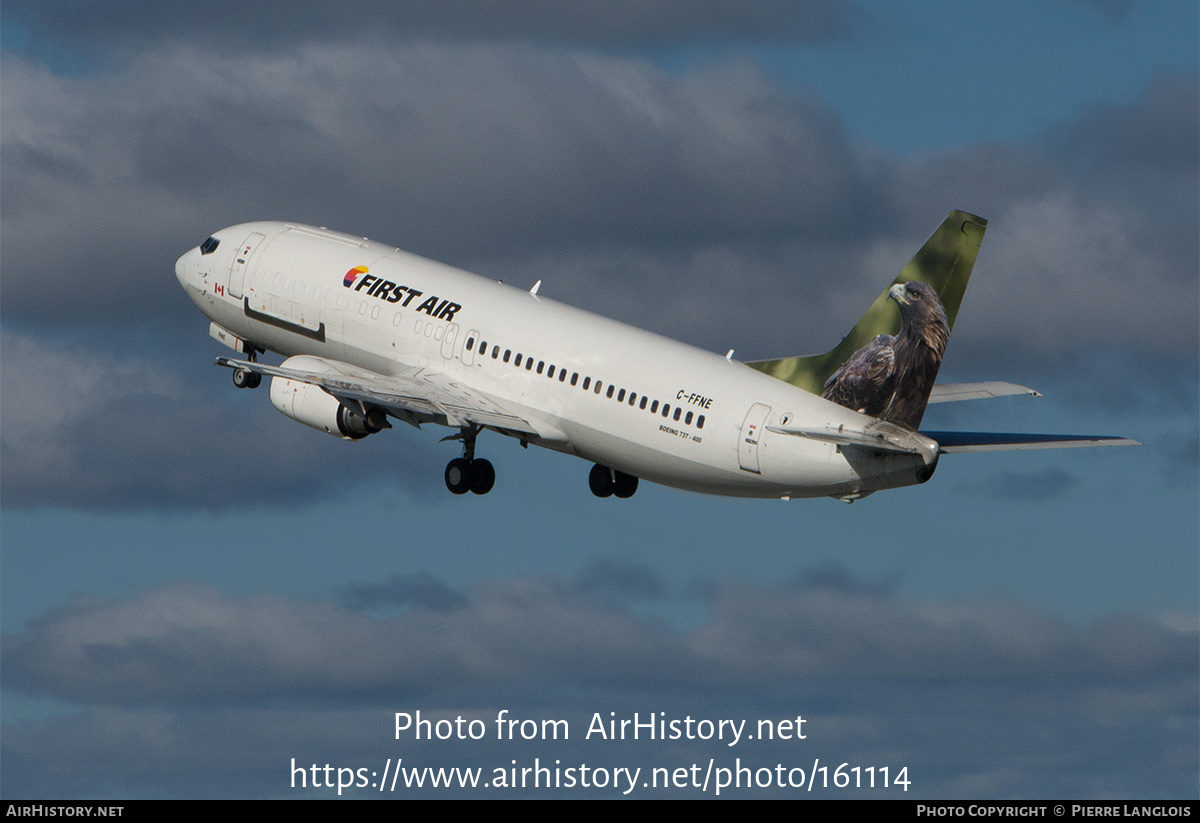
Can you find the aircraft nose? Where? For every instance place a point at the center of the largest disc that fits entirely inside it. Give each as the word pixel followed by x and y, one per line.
pixel 184 266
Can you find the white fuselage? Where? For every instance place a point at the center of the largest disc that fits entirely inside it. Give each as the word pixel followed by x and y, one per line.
pixel 697 420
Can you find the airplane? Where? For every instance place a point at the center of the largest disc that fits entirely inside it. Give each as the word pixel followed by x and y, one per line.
pixel 373 334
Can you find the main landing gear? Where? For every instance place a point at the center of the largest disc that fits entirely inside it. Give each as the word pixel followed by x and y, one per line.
pixel 246 379
pixel 468 474
pixel 604 482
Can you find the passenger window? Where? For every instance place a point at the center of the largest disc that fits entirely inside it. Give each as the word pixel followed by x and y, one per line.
pixel 562 375
pixel 550 372
pixel 598 385
pixel 654 407
pixel 621 396
pixel 495 352
pixel 700 422
pixel 529 364
pixel 518 360
pixel 507 354
pixel 666 412
pixel 678 412
pixel 574 378
pixel 609 393
pixel 586 381
pixel 541 365
pixel 688 419
pixel 642 405
pixel 470 344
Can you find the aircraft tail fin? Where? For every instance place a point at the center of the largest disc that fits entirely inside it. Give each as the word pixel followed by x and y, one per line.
pixel 887 364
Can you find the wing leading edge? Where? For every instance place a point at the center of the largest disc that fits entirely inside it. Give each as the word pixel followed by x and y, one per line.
pixel 412 396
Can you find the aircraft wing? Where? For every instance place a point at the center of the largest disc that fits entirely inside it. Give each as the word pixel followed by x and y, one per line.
pixel 953 442
pixel 947 392
pixel 413 395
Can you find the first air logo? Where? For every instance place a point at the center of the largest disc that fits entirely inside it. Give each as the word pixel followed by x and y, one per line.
pixel 358 279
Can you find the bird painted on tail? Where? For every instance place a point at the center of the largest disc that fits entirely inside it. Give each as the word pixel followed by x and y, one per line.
pixel 891 377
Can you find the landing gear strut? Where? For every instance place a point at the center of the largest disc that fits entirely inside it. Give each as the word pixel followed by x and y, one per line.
pixel 605 482
pixel 468 474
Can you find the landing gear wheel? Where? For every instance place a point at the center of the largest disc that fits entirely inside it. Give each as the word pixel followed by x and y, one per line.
pixel 624 485
pixel 244 379
pixel 483 476
pixel 600 481
pixel 459 476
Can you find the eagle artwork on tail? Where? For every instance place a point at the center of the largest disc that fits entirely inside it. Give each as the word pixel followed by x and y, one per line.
pixel 891 377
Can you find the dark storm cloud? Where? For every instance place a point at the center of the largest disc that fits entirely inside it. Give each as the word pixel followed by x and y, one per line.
pixel 220 24
pixel 167 686
pixel 455 153
pixel 1091 241
pixel 1156 134
pixel 613 180
pixel 92 431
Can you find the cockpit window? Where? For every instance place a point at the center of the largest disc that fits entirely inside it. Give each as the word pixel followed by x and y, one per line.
pixel 209 246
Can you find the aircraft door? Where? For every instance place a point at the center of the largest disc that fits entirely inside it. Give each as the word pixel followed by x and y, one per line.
pixel 448 338
pixel 468 353
pixel 241 261
pixel 752 429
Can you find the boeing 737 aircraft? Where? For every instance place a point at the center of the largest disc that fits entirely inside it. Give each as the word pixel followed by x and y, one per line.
pixel 372 333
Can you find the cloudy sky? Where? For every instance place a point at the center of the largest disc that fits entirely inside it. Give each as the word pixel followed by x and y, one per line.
pixel 196 590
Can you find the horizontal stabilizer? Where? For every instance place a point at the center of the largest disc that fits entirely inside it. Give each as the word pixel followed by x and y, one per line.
pixel 953 442
pixel 947 392
pixel 879 435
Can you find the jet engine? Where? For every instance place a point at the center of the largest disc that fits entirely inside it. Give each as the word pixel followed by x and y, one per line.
pixel 314 407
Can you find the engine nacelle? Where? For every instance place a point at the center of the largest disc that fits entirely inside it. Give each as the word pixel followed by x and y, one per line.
pixel 314 407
